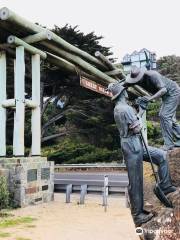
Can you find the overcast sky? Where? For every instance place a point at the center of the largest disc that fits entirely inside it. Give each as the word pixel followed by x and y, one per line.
pixel 126 25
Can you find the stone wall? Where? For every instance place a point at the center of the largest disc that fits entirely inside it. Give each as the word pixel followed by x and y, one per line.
pixel 30 180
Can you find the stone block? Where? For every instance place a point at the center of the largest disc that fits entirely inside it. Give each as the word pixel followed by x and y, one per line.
pixel 30 180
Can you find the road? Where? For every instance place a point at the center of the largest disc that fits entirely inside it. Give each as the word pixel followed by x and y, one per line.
pixel 95 181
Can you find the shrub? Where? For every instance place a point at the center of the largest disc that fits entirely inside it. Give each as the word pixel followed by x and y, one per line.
pixel 154 133
pixel 99 155
pixel 4 193
pixel 74 153
pixel 153 129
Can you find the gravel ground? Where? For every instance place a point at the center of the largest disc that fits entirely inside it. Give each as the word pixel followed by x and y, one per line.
pixel 60 221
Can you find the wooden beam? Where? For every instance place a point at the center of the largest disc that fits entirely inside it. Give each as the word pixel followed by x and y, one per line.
pixel 141 90
pixel 81 63
pixel 38 37
pixel 30 104
pixel 11 103
pixel 8 15
pixel 66 66
pixel 62 63
pixel 18 137
pixel 36 113
pixel 106 61
pixel 114 72
pixel 144 126
pixel 18 42
pixel 2 98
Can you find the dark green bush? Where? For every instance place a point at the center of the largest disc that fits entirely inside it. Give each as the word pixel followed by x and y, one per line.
pixel 153 111
pixel 4 193
pixel 154 133
pixel 9 151
pixel 70 153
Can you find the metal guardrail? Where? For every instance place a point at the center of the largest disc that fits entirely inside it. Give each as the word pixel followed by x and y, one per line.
pixel 90 188
pixel 103 188
pixel 94 181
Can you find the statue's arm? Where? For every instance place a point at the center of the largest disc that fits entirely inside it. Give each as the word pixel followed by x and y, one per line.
pixel 156 78
pixel 159 94
pixel 136 128
pixel 133 121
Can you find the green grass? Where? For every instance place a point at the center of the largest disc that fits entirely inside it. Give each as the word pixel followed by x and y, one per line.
pixel 4 234
pixel 14 222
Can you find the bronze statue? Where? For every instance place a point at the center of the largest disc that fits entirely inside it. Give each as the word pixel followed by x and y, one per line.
pixel 134 153
pixel 160 87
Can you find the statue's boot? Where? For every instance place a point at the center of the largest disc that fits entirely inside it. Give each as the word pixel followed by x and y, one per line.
pixel 177 143
pixel 142 218
pixel 168 147
pixel 169 190
pixel 161 196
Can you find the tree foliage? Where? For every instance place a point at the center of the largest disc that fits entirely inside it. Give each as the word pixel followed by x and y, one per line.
pixel 72 152
pixel 170 67
pixel 79 109
pixel 89 42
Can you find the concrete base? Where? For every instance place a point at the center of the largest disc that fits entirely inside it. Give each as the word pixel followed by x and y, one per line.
pixel 30 179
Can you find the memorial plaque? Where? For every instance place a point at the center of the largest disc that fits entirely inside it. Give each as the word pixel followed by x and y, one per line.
pixel 45 187
pixel 32 175
pixel 38 199
pixel 45 173
pixel 31 190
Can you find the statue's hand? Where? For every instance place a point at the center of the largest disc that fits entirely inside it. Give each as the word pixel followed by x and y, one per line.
pixel 146 98
pixel 143 102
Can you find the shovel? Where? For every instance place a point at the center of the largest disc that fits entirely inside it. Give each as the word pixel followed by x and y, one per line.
pixel 157 190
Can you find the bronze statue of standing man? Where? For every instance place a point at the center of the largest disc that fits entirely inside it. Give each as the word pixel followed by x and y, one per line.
pixel 134 153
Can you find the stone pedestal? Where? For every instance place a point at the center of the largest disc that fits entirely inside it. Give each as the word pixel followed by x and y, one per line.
pixel 30 179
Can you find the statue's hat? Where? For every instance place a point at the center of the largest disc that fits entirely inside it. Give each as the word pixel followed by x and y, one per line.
pixel 116 89
pixel 135 75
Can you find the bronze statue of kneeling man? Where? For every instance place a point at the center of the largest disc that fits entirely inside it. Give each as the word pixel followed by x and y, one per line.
pixel 134 153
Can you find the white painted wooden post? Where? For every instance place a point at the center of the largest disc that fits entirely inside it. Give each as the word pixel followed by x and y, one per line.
pixel 18 138
pixel 2 109
pixel 144 126
pixel 36 114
